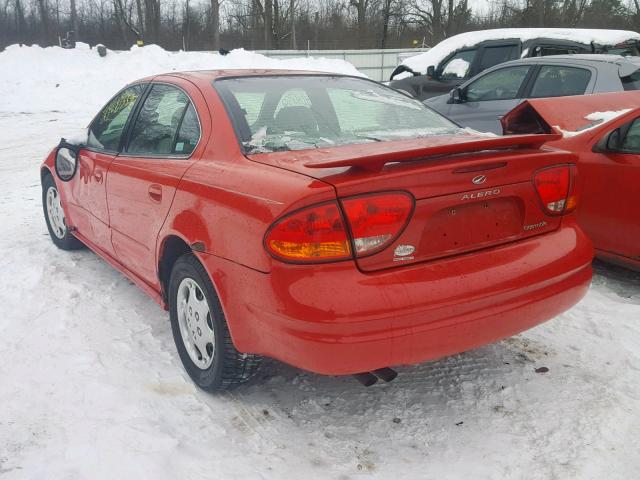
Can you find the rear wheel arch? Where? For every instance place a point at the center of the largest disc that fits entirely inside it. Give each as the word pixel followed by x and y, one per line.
pixel 171 248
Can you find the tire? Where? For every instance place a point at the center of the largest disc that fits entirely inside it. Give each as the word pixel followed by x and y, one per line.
pixel 54 217
pixel 208 354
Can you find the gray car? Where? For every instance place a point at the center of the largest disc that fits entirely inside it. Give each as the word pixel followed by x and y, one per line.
pixel 483 100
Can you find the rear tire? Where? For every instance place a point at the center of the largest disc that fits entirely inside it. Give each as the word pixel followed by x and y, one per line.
pixel 55 218
pixel 200 330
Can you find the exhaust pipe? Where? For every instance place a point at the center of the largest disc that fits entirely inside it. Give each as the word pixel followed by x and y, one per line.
pixel 386 374
pixel 365 378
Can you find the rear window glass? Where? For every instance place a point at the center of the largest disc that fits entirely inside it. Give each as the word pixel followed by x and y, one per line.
pixel 631 82
pixel 302 112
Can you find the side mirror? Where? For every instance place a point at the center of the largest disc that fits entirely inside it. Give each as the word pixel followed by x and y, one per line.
pixel 431 71
pixel 401 69
pixel 456 95
pixel 66 162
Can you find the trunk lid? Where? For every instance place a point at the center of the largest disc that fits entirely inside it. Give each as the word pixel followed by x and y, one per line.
pixel 470 193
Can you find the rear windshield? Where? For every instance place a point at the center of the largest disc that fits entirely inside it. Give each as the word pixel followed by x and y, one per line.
pixel 631 82
pixel 302 112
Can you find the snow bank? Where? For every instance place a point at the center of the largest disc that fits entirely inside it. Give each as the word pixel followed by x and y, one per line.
pixel 420 63
pixel 35 79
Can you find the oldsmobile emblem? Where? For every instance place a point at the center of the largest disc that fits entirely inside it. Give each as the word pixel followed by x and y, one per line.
pixel 479 179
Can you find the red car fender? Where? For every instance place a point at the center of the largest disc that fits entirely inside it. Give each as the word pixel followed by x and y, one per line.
pixel 607 181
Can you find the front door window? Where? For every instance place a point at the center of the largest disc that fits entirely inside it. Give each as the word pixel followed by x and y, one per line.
pixel 106 130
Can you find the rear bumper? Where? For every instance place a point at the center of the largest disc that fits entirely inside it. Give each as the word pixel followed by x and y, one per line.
pixel 334 319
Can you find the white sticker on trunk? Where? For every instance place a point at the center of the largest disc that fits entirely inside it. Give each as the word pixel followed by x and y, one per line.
pixel 404 250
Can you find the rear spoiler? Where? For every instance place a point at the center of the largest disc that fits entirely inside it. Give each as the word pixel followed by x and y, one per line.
pixel 568 115
pixel 416 149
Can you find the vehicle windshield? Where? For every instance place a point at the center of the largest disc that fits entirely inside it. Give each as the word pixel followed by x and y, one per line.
pixel 297 112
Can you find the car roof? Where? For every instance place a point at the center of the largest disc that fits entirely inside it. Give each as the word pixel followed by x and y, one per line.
pixel 583 57
pixel 210 75
pixel 624 65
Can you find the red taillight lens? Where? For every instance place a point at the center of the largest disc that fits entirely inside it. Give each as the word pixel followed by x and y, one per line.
pixel 556 188
pixel 314 234
pixel 377 219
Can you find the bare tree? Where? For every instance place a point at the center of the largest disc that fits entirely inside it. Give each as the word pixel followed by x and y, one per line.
pixel 20 21
pixel 258 24
pixel 140 17
pixel 268 22
pixel 44 20
pixel 292 14
pixel 361 9
pixel 215 23
pixel 151 20
pixel 386 17
pixel 74 17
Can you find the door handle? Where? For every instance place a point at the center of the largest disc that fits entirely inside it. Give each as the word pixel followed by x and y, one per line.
pixel 155 192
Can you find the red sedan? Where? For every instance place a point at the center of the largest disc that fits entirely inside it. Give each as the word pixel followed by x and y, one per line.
pixel 604 131
pixel 326 221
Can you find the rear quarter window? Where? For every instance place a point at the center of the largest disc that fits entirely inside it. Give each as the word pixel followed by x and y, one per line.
pixel 560 81
pixel 631 82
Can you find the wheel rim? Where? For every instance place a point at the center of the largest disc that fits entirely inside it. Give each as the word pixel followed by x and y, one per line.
pixel 196 325
pixel 55 213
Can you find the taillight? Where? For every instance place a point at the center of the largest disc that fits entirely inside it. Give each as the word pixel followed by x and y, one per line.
pixel 376 220
pixel 319 234
pixel 556 187
pixel 314 234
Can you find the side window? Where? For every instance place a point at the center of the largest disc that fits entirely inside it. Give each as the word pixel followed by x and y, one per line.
pixel 502 84
pixel 458 66
pixel 189 132
pixel 495 55
pixel 631 142
pixel 558 81
pixel 106 130
pixel 545 50
pixel 155 128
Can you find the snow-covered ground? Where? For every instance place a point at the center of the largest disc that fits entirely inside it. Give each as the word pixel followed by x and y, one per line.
pixel 91 386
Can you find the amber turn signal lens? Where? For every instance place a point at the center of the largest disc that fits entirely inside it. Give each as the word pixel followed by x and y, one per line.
pixel 311 235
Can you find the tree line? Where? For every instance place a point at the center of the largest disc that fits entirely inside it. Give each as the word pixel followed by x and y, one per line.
pixel 290 24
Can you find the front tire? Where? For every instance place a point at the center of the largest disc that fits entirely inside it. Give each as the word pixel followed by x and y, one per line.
pixel 200 330
pixel 55 218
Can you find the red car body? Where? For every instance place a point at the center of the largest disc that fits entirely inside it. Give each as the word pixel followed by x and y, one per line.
pixel 610 177
pixel 489 262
